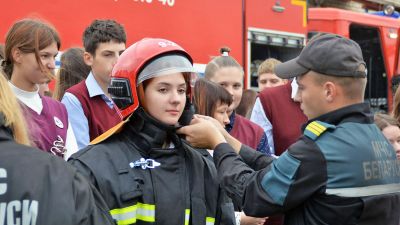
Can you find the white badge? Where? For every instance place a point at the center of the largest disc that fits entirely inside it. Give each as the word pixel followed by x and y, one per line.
pixel 58 123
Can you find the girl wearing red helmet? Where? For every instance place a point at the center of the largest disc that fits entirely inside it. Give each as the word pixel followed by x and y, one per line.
pixel 145 171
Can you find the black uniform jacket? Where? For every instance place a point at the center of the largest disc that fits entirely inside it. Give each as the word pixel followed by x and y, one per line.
pixel 341 171
pixel 40 188
pixel 144 182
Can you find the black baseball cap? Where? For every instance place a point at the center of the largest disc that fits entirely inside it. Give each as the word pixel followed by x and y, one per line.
pixel 328 54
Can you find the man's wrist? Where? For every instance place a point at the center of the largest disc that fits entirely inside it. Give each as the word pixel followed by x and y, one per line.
pixel 219 139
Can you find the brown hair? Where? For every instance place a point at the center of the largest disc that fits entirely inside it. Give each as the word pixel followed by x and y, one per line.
pixel 29 36
pixel 247 103
pixel 11 111
pixel 268 66
pixel 221 62
pixel 384 120
pixel 72 71
pixel 207 95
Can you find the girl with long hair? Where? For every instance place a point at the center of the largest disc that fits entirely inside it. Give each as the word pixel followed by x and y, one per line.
pixel 30 50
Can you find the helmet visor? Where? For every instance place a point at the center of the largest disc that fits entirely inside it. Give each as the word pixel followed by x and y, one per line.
pixel 165 65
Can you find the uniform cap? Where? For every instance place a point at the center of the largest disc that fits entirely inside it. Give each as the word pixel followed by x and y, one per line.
pixel 327 54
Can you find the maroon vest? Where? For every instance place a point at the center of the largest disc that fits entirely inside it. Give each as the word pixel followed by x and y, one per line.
pixel 284 114
pixel 48 130
pixel 100 117
pixel 246 131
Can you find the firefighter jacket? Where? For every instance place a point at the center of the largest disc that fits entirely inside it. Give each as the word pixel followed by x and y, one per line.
pixel 341 171
pixel 40 188
pixel 146 183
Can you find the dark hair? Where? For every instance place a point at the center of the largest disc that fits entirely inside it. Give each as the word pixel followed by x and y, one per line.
pixel 221 62
pixel 29 36
pixel 384 120
pixel 247 103
pixel 207 95
pixel 102 31
pixel 72 71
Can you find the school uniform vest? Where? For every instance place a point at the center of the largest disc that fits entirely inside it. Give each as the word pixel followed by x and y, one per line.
pixel 100 117
pixel 284 114
pixel 48 130
pixel 246 131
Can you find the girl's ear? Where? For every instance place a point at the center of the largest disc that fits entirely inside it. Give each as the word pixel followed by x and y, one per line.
pixel 16 55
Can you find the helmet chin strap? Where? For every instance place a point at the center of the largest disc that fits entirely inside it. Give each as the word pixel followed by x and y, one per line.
pixel 187 114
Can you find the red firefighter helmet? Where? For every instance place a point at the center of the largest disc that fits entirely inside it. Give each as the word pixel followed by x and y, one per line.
pixel 138 59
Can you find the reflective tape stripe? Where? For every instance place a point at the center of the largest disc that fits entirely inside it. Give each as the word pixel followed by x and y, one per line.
pixel 129 215
pixel 125 218
pixel 187 216
pixel 365 191
pixel 210 221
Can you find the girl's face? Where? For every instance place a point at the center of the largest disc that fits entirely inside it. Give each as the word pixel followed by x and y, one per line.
pixel 221 113
pixel 30 69
pixel 392 133
pixel 165 97
pixel 230 78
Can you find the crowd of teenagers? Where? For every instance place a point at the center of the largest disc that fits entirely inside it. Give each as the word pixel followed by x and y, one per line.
pixel 132 135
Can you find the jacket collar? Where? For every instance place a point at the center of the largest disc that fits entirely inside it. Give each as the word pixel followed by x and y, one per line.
pixel 357 113
pixel 149 133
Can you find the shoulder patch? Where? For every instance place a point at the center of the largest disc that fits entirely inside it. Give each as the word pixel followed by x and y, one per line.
pixel 314 129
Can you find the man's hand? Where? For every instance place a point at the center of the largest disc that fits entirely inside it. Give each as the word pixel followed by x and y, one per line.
pixel 247 220
pixel 203 132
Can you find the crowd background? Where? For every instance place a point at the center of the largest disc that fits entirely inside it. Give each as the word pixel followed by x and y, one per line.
pixel 106 97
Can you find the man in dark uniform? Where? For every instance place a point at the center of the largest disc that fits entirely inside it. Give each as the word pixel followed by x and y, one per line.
pixel 342 170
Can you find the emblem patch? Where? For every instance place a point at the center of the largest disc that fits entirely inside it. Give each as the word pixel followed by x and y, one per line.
pixel 58 123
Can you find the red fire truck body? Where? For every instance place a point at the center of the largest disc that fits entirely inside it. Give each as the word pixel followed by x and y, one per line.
pixel 253 29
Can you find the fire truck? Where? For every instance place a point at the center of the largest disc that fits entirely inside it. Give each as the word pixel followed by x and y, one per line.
pixel 378 38
pixel 253 29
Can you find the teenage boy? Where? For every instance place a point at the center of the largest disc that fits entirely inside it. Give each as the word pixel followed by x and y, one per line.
pixel 89 105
